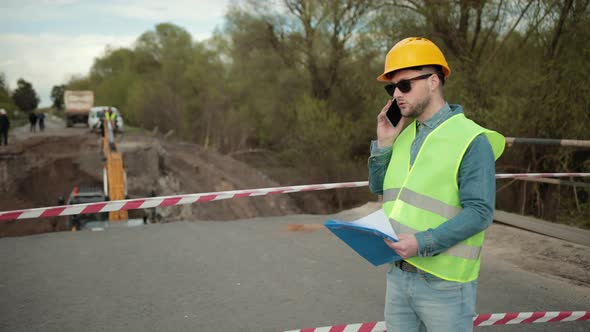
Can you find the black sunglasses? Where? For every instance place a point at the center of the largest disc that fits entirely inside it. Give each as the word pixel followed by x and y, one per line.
pixel 405 85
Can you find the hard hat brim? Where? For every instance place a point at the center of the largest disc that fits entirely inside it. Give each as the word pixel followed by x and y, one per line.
pixel 383 77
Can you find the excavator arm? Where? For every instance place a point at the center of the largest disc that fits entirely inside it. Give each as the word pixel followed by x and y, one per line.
pixel 115 178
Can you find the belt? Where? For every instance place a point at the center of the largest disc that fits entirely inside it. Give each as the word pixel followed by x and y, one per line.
pixel 405 266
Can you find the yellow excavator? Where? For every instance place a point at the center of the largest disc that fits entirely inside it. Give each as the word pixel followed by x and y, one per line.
pixel 114 187
pixel 114 177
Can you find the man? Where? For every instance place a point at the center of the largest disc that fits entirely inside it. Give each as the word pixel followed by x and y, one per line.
pixel 4 126
pixel 436 171
pixel 32 121
pixel 41 118
pixel 111 117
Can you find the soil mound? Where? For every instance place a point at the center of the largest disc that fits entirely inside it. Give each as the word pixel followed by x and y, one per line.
pixel 39 168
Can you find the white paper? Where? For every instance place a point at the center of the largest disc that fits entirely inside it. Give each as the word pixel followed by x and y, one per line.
pixel 376 220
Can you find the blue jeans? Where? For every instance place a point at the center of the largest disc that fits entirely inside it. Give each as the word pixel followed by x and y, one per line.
pixel 419 301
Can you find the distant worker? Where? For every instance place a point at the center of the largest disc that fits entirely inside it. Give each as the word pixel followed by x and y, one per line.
pixel 41 118
pixel 101 125
pixel 4 126
pixel 33 121
pixel 112 118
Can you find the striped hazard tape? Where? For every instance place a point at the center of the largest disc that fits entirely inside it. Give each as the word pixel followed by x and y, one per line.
pixel 530 317
pixel 539 175
pixel 479 320
pixel 150 202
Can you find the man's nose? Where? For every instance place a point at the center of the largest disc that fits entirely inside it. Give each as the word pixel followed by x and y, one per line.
pixel 397 93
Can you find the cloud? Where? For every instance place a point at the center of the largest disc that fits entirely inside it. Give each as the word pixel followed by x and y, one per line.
pixel 47 41
pixel 201 10
pixel 49 59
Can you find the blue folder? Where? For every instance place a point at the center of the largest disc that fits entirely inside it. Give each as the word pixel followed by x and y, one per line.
pixel 367 242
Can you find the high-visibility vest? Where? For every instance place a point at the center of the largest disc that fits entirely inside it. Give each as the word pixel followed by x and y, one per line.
pixel 111 117
pixel 426 194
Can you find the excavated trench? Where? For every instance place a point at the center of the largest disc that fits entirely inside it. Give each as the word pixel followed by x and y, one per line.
pixel 36 171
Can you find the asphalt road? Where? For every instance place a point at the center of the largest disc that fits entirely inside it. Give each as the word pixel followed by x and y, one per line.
pixel 248 275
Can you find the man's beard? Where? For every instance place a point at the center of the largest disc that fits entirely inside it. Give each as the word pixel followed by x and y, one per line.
pixel 419 109
pixel 416 111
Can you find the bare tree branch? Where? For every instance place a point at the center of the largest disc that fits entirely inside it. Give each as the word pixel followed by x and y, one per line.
pixel 490 30
pixel 567 6
pixel 508 34
pixel 401 4
pixel 480 6
pixel 534 27
pixel 464 7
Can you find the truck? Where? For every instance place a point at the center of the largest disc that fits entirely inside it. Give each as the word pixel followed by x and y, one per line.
pixel 77 106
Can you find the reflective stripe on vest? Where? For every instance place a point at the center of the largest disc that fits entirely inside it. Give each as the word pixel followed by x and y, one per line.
pixel 432 205
pixel 390 194
pixel 422 202
pixel 459 250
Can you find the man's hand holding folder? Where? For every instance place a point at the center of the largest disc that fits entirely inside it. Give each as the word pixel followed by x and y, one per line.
pixel 406 246
pixel 368 235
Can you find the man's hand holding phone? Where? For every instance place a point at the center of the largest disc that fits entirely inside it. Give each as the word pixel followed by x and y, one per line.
pixel 387 131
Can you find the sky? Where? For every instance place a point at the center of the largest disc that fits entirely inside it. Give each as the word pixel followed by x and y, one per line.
pixel 45 42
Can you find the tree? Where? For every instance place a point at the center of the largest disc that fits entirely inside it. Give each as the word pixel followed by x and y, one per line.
pixel 297 80
pixel 57 95
pixel 112 76
pixel 79 82
pixel 5 98
pixel 162 57
pixel 170 49
pixel 3 84
pixel 25 97
pixel 315 35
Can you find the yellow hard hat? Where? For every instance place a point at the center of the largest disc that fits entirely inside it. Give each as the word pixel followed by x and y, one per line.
pixel 413 52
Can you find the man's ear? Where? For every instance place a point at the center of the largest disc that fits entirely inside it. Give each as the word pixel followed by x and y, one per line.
pixel 433 82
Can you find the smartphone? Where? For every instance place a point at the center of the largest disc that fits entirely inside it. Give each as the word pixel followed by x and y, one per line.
pixel 394 114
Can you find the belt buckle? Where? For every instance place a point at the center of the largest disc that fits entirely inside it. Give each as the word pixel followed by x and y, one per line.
pixel 407 267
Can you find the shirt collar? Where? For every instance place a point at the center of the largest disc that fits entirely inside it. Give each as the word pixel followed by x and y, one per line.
pixel 437 118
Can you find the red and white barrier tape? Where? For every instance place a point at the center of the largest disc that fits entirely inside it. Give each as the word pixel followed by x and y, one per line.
pixel 539 175
pixel 530 317
pixel 479 320
pixel 150 202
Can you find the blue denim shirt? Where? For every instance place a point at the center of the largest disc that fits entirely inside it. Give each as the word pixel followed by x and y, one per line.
pixel 476 180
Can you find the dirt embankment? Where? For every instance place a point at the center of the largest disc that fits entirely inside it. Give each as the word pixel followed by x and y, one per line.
pixel 38 168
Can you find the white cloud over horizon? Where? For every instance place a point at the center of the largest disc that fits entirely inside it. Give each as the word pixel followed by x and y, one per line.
pixel 37 59
pixel 65 36
pixel 157 10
